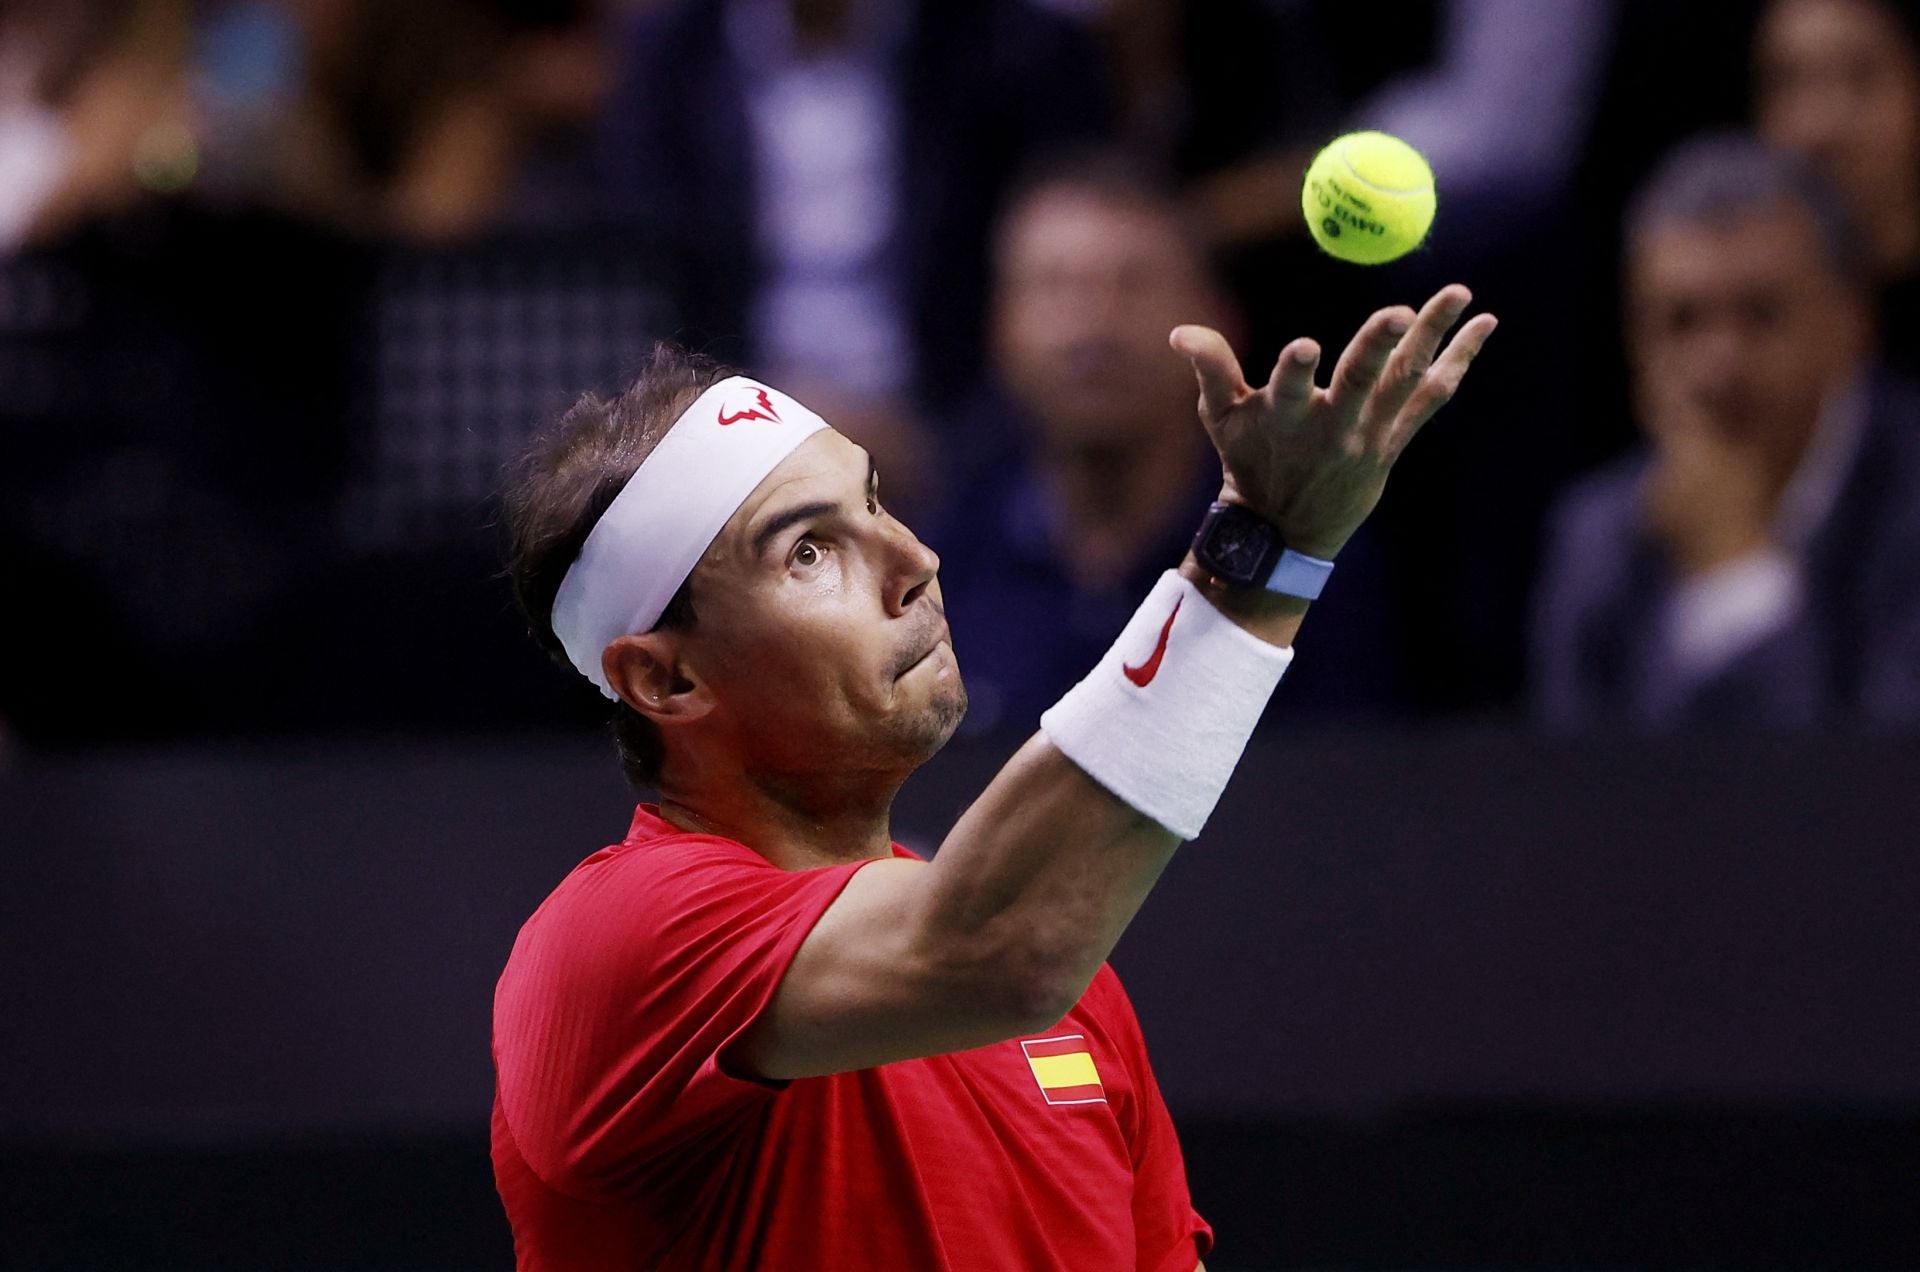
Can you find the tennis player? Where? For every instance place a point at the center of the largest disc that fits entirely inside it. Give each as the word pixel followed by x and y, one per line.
pixel 757 1033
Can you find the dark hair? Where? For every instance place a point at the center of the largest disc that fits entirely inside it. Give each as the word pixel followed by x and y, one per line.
pixel 571 472
pixel 1721 176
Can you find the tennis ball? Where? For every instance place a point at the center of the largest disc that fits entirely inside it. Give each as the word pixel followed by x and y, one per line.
pixel 1368 198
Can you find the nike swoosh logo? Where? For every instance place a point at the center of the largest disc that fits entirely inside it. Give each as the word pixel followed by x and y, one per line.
pixel 1143 674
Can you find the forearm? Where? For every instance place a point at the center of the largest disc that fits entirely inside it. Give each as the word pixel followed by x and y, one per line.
pixel 1004 929
pixel 1048 867
pixel 1042 874
pixel 1049 854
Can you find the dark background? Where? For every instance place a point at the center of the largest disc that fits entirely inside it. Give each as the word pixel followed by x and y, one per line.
pixel 281 773
pixel 1422 999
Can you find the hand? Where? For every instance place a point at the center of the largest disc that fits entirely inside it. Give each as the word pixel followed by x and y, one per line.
pixel 1709 499
pixel 1313 461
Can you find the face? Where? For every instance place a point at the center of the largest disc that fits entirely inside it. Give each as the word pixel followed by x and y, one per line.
pixel 1087 290
pixel 1839 82
pixel 820 631
pixel 1739 327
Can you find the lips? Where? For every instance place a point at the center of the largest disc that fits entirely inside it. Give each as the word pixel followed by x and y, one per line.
pixel 943 635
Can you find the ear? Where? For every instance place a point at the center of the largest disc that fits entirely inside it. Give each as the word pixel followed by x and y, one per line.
pixel 648 673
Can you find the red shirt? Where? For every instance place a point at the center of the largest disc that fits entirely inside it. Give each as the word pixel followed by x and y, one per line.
pixel 622 1140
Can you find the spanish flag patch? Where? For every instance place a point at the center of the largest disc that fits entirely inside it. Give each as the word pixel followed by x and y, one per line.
pixel 1064 1069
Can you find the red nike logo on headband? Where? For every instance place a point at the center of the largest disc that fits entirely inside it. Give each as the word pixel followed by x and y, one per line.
pixel 1143 674
pixel 763 411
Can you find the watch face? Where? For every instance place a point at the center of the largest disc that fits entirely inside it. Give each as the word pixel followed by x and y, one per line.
pixel 1237 544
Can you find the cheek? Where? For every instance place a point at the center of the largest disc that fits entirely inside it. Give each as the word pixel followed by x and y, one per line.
pixel 832 652
pixel 1660 366
pixel 1893 115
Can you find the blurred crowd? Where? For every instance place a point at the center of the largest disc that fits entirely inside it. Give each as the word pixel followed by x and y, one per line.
pixel 286 284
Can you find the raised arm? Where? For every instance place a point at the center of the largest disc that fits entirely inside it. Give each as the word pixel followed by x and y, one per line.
pixel 1001 933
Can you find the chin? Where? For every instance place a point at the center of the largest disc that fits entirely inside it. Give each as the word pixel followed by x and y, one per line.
pixel 923 733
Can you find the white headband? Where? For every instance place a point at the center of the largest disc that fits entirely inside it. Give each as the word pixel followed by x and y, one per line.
pixel 654 532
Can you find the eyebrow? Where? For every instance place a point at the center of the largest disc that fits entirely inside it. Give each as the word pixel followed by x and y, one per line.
pixel 801 512
pixel 782 520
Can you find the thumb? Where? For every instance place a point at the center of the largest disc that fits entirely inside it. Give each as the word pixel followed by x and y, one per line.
pixel 1222 385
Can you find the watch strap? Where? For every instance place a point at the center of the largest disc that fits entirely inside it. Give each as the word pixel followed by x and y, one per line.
pixel 1252 555
pixel 1298 574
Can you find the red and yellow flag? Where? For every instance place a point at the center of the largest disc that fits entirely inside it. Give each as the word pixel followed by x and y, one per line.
pixel 1064 1069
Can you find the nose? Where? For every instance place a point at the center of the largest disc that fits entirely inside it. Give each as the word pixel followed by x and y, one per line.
pixel 914 567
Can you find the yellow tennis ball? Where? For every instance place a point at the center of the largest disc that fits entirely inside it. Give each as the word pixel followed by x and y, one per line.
pixel 1368 198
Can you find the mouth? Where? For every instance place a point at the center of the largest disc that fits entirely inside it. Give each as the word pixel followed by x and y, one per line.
pixel 943 637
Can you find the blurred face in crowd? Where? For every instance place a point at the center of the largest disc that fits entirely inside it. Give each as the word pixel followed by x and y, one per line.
pixel 820 640
pixel 1089 284
pixel 1838 82
pixel 1740 325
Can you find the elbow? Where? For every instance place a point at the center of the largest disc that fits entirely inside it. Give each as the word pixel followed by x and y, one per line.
pixel 1039 986
pixel 1040 1006
pixel 1009 980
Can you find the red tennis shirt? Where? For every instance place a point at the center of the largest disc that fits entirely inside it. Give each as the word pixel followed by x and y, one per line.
pixel 622 1139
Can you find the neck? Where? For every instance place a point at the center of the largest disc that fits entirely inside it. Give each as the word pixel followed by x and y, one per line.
pixel 795 821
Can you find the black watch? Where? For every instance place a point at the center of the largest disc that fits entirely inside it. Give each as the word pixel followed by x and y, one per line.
pixel 1239 546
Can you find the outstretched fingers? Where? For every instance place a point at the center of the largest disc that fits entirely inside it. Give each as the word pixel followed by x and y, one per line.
pixel 1222 386
pixel 1365 358
pixel 1442 380
pixel 1408 365
pixel 1292 383
pixel 1436 318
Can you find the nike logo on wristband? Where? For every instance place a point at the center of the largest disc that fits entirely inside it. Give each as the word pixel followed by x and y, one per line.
pixel 1143 674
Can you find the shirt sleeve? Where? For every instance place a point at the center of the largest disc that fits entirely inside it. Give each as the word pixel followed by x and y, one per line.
pixel 1169 1234
pixel 625 990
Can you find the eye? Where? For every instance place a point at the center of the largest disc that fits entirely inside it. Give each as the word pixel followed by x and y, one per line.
pixel 806 553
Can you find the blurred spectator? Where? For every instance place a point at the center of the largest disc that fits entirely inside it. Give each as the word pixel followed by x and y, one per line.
pixel 1504 106
pixel 442 121
pixel 1217 89
pixel 1106 471
pixel 1760 561
pixel 93 110
pixel 1838 82
pixel 1498 94
pixel 827 172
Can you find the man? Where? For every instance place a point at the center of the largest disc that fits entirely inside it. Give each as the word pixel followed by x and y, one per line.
pixel 1837 82
pixel 757 1033
pixel 1760 562
pixel 825 171
pixel 1046 549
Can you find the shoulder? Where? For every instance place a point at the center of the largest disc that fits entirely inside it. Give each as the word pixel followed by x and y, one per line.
pixel 1877 505
pixel 1892 429
pixel 1594 532
pixel 1877 521
pixel 626 904
pixel 1603 505
pixel 651 873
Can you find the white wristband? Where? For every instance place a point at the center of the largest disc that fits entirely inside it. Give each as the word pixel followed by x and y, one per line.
pixel 1162 720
